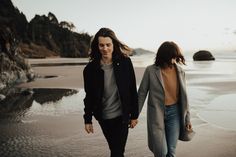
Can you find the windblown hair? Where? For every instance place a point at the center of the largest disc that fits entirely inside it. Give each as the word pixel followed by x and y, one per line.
pixel 120 49
pixel 166 52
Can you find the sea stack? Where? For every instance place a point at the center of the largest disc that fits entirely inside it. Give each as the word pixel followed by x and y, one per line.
pixel 203 55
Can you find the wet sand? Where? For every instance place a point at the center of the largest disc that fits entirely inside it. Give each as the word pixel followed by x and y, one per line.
pixel 211 140
pixel 67 76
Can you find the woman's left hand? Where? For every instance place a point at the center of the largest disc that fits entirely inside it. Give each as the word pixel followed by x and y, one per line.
pixel 133 123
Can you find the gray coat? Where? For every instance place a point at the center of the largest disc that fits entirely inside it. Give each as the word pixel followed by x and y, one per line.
pixel 152 83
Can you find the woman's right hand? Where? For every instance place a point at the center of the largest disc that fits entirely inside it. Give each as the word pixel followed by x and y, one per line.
pixel 189 127
pixel 89 128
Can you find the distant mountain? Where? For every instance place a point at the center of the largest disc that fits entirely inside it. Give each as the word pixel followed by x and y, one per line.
pixel 141 51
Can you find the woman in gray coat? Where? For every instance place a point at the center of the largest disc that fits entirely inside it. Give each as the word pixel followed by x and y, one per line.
pixel 168 110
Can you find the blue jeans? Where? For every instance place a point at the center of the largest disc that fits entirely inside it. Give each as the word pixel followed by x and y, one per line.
pixel 172 129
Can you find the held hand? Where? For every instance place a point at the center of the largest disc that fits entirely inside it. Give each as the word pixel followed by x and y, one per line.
pixel 89 128
pixel 133 123
pixel 189 127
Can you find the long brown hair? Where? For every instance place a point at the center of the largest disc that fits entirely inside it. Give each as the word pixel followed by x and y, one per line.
pixel 119 47
pixel 168 51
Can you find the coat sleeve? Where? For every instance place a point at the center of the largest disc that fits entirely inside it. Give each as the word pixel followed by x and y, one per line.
pixel 87 100
pixel 143 90
pixel 133 91
pixel 187 118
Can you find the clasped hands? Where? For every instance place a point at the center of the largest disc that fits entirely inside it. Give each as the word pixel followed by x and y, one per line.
pixel 89 127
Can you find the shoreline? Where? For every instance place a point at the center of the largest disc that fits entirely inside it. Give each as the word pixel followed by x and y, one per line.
pixel 210 139
pixel 70 76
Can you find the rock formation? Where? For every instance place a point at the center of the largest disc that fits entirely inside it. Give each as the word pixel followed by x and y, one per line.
pixel 203 55
pixel 43 36
pixel 57 37
pixel 13 67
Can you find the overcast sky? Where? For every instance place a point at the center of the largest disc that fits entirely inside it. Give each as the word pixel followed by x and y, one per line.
pixel 193 24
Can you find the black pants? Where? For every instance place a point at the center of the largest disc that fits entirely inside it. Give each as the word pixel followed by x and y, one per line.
pixel 116 133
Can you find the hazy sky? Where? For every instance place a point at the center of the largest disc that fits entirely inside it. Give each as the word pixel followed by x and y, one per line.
pixel 193 24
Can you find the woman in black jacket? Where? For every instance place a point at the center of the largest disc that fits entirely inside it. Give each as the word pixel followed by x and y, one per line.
pixel 111 93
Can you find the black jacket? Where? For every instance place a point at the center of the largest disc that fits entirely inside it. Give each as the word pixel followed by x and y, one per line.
pixel 94 86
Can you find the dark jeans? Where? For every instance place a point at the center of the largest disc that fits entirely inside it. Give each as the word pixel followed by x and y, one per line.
pixel 116 133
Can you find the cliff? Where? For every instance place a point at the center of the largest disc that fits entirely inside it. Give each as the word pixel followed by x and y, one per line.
pixel 13 67
pixel 57 37
pixel 43 36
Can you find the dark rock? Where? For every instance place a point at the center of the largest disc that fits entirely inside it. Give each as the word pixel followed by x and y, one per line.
pixel 203 55
pixel 13 67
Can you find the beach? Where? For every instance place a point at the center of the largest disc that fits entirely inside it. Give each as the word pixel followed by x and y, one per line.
pixel 57 129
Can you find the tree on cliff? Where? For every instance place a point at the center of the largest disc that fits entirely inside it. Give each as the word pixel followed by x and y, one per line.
pixel 68 25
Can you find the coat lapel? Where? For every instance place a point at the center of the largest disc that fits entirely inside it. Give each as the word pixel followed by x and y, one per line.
pixel 180 74
pixel 159 76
